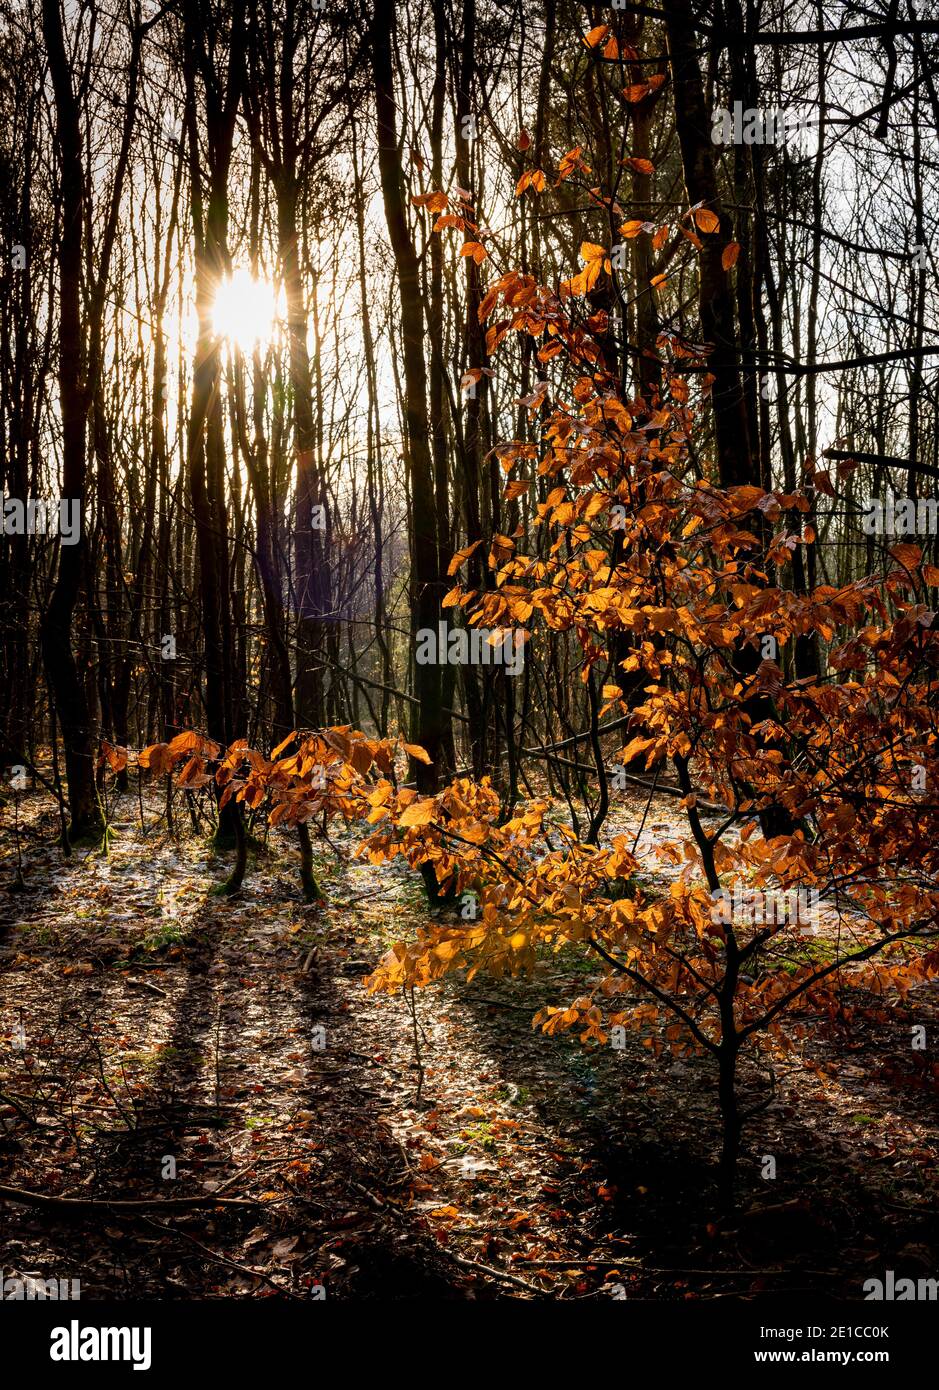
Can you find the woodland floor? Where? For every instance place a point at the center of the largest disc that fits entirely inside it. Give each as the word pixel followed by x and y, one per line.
pixel 161 1019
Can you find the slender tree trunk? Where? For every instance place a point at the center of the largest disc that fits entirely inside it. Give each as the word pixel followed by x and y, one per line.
pixel 730 1121
pixel 425 586
pixel 312 578
pixel 206 437
pixel 56 633
pixel 715 300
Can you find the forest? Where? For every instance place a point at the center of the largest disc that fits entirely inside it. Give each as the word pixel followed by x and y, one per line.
pixel 469 666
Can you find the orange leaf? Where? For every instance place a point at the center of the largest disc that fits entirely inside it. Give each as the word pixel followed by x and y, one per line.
pixel 191 772
pixel 707 220
pixel 152 757
pixel 474 249
pixel 184 743
pixel 414 750
pixel 418 813
pixel 433 202
pixel 460 556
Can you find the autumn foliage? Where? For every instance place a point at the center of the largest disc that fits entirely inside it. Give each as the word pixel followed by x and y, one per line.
pixel 693 590
pixel 677 592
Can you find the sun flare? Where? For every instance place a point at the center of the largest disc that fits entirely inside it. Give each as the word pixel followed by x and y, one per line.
pixel 245 310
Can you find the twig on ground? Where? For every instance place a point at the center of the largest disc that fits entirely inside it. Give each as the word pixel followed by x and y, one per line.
pixel 8 1100
pixel 494 1273
pixel 41 1199
pixel 224 1259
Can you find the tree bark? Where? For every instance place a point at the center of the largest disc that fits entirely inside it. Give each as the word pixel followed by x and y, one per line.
pixel 56 632
pixel 425 585
pixel 715 300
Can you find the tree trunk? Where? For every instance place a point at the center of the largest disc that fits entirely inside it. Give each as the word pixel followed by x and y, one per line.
pixel 312 576
pixel 715 301
pixel 425 586
pixel 730 1120
pixel 206 439
pixel 56 633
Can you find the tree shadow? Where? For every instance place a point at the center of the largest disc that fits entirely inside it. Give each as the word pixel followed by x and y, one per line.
pixel 648 1132
pixel 393 1255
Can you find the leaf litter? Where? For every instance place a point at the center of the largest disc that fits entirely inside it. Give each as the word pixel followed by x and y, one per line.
pixel 163 1044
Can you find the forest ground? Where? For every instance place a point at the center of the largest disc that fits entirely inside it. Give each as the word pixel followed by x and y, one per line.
pixel 163 1019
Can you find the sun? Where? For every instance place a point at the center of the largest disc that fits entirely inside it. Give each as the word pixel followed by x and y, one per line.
pixel 245 310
